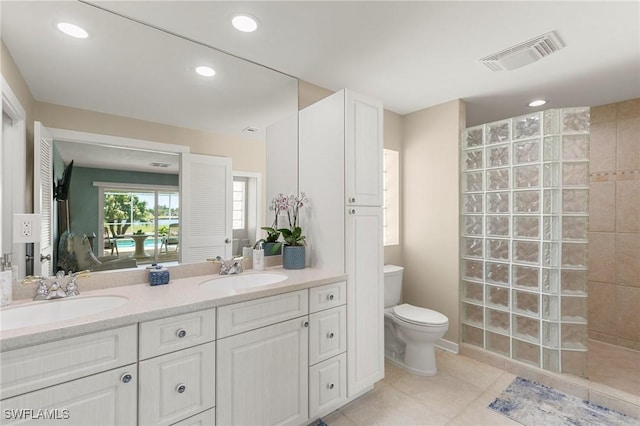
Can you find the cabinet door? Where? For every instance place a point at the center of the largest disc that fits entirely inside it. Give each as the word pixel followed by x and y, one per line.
pixel 262 376
pixel 177 385
pixel 327 386
pixel 363 150
pixel 327 334
pixel 107 398
pixel 365 296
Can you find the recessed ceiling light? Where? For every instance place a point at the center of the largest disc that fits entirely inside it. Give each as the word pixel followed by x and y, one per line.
pixel 206 71
pixel 72 30
pixel 245 23
pixel 537 103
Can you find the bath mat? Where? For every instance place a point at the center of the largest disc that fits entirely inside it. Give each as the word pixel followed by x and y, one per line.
pixel 533 404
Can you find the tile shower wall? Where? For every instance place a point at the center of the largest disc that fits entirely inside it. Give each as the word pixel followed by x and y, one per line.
pixel 525 201
pixel 614 226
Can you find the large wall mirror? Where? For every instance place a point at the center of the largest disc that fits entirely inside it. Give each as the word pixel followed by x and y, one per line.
pixel 137 87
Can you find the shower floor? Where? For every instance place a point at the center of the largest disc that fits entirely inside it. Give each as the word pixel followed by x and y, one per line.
pixel 614 366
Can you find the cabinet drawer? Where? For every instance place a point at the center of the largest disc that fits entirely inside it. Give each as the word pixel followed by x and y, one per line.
pixel 207 418
pixel 245 316
pixel 177 385
pixel 178 332
pixel 327 386
pixel 35 367
pixel 327 296
pixel 327 334
pixel 101 399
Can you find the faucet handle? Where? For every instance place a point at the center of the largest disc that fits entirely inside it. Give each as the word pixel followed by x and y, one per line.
pixel 72 287
pixel 42 291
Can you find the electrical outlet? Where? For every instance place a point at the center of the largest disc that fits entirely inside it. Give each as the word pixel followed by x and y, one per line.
pixel 26 228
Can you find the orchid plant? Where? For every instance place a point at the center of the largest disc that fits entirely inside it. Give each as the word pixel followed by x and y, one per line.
pixel 292 205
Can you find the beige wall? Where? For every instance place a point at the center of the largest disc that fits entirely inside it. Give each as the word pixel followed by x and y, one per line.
pixel 614 224
pixel 431 209
pixel 246 154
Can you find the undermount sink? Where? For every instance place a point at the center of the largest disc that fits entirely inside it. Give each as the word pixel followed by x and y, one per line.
pixel 50 311
pixel 242 281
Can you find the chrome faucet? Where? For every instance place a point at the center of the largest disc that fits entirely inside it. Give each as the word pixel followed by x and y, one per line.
pixel 229 267
pixel 54 290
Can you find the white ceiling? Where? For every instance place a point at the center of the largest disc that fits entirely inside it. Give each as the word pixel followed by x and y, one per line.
pixel 417 54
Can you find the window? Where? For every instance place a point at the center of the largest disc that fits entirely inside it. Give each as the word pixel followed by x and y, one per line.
pixel 142 222
pixel 391 198
pixel 239 211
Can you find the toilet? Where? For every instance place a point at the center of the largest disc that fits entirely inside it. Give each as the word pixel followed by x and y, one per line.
pixel 410 332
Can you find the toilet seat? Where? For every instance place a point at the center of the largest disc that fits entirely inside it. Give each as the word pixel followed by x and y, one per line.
pixel 419 316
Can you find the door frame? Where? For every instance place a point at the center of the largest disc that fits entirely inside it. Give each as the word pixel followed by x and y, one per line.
pixel 14 147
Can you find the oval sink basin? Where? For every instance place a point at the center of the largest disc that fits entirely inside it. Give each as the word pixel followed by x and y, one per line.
pixel 48 311
pixel 242 281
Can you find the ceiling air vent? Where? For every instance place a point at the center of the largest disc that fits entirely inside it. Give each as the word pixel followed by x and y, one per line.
pixel 250 129
pixel 163 165
pixel 524 53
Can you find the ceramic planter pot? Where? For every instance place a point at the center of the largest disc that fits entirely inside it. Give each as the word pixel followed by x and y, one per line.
pixel 293 257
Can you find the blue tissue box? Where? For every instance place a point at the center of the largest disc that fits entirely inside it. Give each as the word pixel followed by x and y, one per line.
pixel 158 276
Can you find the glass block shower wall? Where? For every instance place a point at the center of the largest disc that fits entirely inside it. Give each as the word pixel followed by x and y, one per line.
pixel 525 193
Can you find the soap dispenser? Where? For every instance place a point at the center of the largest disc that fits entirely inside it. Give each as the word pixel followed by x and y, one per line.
pixel 258 257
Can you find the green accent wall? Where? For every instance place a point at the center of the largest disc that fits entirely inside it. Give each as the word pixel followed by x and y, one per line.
pixel 83 196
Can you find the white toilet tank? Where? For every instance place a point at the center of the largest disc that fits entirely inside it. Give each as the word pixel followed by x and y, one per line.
pixel 392 285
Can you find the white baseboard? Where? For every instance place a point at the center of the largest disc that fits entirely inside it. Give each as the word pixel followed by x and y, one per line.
pixel 447 346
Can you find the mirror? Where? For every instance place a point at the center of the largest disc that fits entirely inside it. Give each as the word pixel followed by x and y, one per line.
pixel 133 81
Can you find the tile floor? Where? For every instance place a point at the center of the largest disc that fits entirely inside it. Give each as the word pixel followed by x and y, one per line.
pixel 614 366
pixel 457 396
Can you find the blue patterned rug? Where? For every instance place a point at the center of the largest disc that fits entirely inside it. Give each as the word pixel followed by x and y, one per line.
pixel 533 404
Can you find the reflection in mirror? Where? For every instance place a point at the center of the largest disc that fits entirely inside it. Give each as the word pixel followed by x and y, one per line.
pixel 133 81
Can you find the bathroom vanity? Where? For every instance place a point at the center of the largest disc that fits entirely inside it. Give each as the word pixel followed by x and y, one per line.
pixel 186 354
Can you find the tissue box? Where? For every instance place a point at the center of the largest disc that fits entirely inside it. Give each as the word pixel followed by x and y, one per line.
pixel 158 276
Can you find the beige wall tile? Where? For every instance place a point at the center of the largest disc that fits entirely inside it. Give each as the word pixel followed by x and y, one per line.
pixel 603 113
pixel 602 147
pixel 627 303
pixel 630 344
pixel 628 206
pixel 628 109
pixel 602 308
pixel 628 260
pixel 628 144
pixel 602 337
pixel 602 207
pixel 602 261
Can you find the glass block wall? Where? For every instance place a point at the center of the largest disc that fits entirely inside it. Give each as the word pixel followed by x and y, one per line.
pixel 524 203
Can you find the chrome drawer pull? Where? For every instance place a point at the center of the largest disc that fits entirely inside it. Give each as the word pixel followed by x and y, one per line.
pixel 181 388
pixel 126 377
pixel 305 324
pixel 181 333
pixel 330 335
pixel 330 386
pixel 331 297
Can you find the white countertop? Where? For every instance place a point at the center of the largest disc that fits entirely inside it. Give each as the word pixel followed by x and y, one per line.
pixel 152 302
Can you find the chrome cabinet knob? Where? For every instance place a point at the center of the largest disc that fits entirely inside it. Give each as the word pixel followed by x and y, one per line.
pixel 331 297
pixel 126 378
pixel 181 333
pixel 330 386
pixel 352 199
pixel 352 211
pixel 305 324
pixel 330 335
pixel 181 388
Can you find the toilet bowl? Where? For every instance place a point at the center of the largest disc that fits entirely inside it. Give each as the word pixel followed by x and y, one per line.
pixel 410 331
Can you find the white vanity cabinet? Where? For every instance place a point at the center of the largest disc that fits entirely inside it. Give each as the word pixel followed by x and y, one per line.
pixel 93 377
pixel 177 367
pixel 262 374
